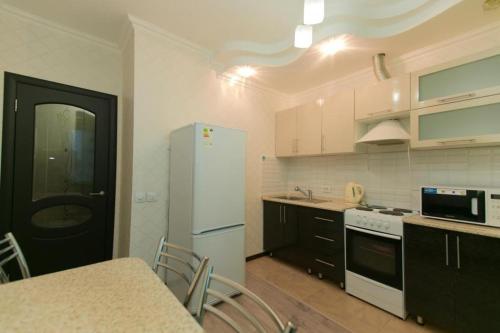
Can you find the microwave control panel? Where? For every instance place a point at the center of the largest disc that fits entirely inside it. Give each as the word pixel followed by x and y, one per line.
pixel 494 208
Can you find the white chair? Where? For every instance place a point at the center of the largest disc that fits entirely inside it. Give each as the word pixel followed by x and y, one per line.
pixel 251 318
pixel 189 273
pixel 10 250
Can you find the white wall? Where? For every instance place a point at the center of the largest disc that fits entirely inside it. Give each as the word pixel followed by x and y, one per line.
pixel 175 86
pixel 32 47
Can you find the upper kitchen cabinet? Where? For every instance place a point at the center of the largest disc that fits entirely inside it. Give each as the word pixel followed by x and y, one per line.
pixel 338 123
pixel 309 129
pixel 468 78
pixel 468 123
pixel 286 133
pixel 383 98
pixel 298 131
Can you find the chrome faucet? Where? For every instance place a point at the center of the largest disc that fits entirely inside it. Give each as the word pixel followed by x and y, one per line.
pixel 308 194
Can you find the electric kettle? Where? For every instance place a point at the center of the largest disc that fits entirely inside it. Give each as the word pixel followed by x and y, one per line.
pixel 354 192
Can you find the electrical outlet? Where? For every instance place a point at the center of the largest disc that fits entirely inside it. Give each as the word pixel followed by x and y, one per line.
pixel 326 188
pixel 151 196
pixel 140 197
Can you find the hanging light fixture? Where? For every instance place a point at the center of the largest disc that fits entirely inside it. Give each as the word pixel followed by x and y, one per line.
pixel 314 11
pixel 303 36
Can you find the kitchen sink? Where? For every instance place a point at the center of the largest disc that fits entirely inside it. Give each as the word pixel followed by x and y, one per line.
pixel 293 198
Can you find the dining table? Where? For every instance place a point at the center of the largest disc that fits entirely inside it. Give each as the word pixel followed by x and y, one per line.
pixel 120 295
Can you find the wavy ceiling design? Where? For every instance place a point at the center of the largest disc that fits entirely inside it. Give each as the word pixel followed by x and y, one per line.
pixel 362 18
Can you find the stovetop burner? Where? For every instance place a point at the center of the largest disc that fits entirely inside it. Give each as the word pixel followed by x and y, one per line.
pixel 402 210
pixel 391 212
pixel 366 209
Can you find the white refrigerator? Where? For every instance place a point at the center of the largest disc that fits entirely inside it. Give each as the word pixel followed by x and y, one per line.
pixel 207 197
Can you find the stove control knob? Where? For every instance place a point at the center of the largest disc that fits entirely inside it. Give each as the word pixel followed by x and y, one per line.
pixel 386 225
pixel 379 225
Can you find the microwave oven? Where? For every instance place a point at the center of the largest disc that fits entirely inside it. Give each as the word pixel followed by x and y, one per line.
pixel 461 204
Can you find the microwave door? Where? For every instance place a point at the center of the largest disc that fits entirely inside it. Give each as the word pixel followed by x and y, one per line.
pixel 468 206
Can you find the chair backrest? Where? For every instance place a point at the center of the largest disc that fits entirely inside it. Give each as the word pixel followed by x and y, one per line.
pixel 251 318
pixel 10 250
pixel 189 270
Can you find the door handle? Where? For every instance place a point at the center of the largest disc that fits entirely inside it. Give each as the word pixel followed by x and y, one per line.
pixel 97 194
pixel 447 255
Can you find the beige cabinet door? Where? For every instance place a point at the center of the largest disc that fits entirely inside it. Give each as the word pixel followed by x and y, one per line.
pixel 286 133
pixel 383 98
pixel 338 123
pixel 309 129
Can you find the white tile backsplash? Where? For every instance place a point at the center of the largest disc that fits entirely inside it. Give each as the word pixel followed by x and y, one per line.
pixel 391 179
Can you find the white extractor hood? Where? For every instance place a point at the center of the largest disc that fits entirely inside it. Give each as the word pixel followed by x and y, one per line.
pixel 387 132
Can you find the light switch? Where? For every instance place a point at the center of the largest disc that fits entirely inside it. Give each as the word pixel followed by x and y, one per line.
pixel 140 197
pixel 150 196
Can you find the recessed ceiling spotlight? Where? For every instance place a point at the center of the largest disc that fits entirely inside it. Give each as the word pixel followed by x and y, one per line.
pixel 333 46
pixel 246 71
pixel 303 36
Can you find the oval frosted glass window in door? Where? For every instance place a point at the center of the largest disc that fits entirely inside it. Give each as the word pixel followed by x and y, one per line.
pixel 61 216
pixel 64 149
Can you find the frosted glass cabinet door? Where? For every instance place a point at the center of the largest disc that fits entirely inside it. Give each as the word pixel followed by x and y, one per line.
pixel 462 124
pixel 468 78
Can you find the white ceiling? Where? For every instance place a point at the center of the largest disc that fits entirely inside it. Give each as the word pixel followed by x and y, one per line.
pixel 213 23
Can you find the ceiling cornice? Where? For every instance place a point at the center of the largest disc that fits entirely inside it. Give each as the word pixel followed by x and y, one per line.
pixel 58 27
pixel 487 37
pixel 352 18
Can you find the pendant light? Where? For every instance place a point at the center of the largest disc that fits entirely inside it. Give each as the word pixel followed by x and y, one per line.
pixel 314 11
pixel 303 36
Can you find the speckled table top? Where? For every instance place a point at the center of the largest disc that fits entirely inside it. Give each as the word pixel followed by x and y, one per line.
pixel 122 295
pixel 333 204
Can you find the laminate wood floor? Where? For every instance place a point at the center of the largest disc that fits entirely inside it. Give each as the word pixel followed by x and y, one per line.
pixel 313 305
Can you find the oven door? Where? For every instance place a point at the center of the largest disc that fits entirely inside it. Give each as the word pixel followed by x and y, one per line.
pixel 375 255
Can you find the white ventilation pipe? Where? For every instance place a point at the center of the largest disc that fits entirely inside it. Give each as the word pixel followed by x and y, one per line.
pixel 379 67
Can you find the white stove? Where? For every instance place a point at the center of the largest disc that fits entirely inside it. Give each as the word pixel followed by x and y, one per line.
pixel 374 256
pixel 378 218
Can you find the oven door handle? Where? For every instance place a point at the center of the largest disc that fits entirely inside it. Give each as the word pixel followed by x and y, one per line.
pixel 373 232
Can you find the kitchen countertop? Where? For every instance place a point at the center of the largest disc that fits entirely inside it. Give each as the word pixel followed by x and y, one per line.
pixel 122 295
pixel 334 204
pixel 453 226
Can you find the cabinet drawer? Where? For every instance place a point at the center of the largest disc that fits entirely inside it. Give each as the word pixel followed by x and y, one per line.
pixel 326 222
pixel 329 266
pixel 328 245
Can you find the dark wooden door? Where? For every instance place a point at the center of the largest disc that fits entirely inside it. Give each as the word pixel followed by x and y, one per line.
pixel 477 289
pixel 273 226
pixel 62 142
pixel 429 276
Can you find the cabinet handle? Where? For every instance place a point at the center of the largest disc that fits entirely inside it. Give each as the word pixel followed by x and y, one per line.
pixel 324 238
pixel 284 214
pixel 447 255
pixel 456 98
pixel 456 141
pixel 297 146
pixel 324 263
pixel 323 137
pixel 379 112
pixel 323 219
pixel 281 216
pixel 458 252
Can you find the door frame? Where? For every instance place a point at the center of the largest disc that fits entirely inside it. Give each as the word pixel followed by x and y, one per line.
pixel 8 150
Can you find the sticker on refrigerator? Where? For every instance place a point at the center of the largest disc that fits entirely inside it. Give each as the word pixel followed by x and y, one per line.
pixel 207 136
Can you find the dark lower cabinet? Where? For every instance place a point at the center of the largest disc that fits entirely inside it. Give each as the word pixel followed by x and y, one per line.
pixel 309 238
pixel 478 284
pixel 452 279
